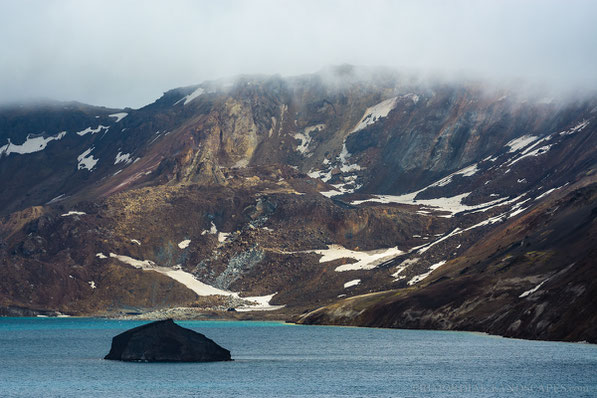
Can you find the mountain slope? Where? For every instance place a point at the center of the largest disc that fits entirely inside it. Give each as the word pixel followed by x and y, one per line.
pixel 263 192
pixel 532 277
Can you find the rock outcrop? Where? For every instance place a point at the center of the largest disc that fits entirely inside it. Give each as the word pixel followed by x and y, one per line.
pixel 165 341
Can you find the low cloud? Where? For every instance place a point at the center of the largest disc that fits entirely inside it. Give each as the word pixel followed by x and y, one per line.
pixel 126 53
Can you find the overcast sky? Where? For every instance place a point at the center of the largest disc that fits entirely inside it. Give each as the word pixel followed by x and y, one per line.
pixel 127 53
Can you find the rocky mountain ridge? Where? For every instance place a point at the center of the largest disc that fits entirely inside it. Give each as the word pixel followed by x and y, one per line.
pixel 290 194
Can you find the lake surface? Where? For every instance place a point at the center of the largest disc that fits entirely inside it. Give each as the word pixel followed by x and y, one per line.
pixel 62 357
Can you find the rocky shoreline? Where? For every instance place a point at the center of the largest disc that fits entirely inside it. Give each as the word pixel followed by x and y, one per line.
pixel 217 314
pixel 192 314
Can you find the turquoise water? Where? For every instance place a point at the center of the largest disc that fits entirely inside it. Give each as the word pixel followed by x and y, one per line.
pixel 49 357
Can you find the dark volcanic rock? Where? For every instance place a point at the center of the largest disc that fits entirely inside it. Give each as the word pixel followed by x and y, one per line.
pixel 256 178
pixel 165 341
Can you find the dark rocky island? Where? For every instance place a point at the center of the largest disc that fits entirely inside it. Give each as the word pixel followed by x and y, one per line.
pixel 165 341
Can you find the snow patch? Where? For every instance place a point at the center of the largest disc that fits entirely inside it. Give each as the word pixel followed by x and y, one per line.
pixel 528 152
pixel 93 130
pixel 118 116
pixel 419 278
pixel 86 161
pixel 134 262
pixel 349 186
pixel 184 244
pixel 521 142
pixel 576 129
pixel 517 212
pixel 533 290
pixel 187 279
pixel 376 112
pixel 456 231
pixel 340 189
pixel 324 176
pixel 344 155
pixel 101 256
pixel 366 260
pixel 500 202
pixel 92 284
pixel 123 158
pixel 57 199
pixel 466 172
pixel 544 194
pixel 258 303
pixel 513 211
pixel 212 231
pixel 352 283
pixel 372 115
pixel 73 213
pixel 452 204
pixel 305 137
pixel 190 97
pixel 402 266
pixel 135 241
pixel 223 236
pixel 32 144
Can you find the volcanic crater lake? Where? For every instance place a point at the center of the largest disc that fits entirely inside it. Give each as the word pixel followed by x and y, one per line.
pixel 62 357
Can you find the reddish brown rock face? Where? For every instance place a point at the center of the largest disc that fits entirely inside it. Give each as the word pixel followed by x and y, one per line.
pixel 260 176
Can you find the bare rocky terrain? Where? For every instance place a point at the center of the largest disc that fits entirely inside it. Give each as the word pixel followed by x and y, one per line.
pixel 352 196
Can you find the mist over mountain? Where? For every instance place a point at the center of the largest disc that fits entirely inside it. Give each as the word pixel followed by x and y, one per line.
pixel 120 54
